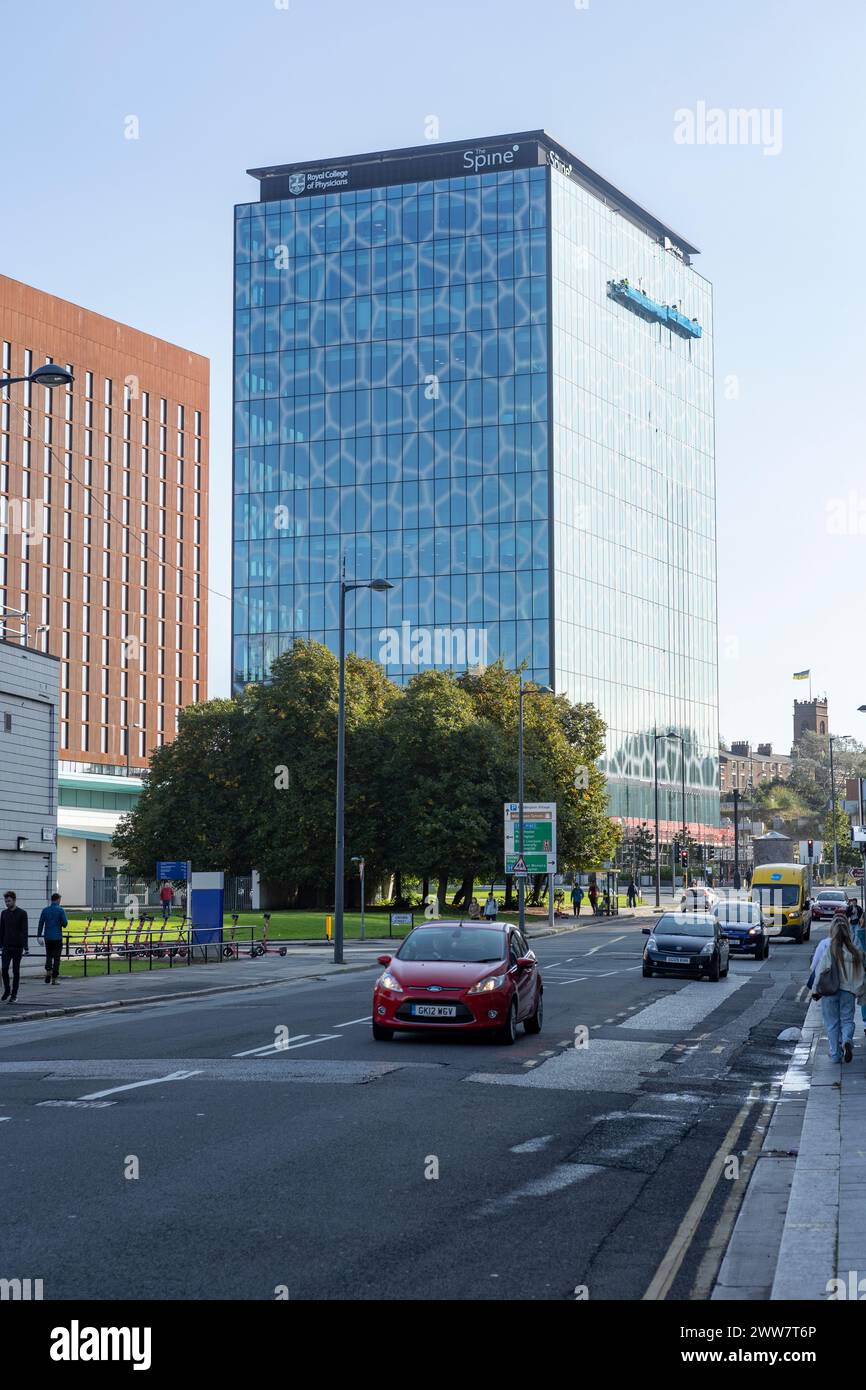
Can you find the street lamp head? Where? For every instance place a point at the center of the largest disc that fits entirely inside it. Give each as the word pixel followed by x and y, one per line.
pixel 861 709
pixel 380 585
pixel 51 375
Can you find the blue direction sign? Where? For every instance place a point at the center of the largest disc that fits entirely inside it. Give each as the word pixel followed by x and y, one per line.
pixel 171 868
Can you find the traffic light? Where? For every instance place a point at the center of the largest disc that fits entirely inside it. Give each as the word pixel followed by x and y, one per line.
pixel 684 855
pixel 810 845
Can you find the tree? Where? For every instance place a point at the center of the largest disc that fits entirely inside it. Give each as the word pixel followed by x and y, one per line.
pixel 194 805
pixel 847 855
pixel 444 764
pixel 779 798
pixel 250 782
pixel 810 772
pixel 562 745
pixel 638 849
pixel 293 735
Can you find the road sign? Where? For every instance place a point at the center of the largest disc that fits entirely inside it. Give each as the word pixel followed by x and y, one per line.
pixel 539 836
pixel 518 867
pixel 172 868
pixel 858 834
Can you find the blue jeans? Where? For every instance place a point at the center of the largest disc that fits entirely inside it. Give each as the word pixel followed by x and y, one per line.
pixel 838 1014
pixel 860 940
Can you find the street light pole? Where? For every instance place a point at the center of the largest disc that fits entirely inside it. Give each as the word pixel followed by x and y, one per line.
pixel 656 805
pixel 521 880
pixel 685 827
pixel 359 860
pixel 833 815
pixel 379 585
pixel 737 880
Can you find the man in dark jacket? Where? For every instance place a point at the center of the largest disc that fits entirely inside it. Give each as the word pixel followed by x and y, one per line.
pixel 13 944
pixel 52 920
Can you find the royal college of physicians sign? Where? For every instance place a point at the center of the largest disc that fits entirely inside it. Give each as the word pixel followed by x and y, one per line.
pixel 477 159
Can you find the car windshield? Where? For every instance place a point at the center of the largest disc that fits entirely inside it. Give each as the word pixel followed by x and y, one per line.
pixel 776 894
pixel 832 897
pixel 470 944
pixel 738 912
pixel 684 926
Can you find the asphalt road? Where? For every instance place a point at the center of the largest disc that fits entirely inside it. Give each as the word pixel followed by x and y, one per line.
pixel 175 1151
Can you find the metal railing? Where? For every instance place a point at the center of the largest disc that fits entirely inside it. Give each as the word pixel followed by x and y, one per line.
pixel 117 891
pixel 120 942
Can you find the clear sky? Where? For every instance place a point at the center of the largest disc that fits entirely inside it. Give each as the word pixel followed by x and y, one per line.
pixel 141 230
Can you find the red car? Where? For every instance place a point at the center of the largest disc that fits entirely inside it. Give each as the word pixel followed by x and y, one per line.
pixel 468 977
pixel 827 902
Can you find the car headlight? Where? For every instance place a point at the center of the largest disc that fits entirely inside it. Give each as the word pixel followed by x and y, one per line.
pixel 754 931
pixel 388 982
pixel 708 949
pixel 487 985
pixel 652 945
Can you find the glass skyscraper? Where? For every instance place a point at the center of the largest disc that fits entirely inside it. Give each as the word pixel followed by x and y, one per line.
pixel 482 372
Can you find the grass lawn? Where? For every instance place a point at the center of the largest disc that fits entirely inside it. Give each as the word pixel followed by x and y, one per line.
pixel 285 926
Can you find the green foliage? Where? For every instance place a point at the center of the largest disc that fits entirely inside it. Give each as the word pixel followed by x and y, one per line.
pixel 251 781
pixel 847 855
pixel 780 798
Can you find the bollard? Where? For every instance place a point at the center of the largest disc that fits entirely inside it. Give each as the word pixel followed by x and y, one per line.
pixel 329 921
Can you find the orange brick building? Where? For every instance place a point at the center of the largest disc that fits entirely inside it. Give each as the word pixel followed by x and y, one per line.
pixel 103 523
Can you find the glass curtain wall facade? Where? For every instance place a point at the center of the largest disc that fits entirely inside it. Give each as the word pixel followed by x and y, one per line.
pixel 634 507
pixel 391 396
pixel 433 381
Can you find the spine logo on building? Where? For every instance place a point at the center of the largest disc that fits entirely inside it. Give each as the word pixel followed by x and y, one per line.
pixel 539 838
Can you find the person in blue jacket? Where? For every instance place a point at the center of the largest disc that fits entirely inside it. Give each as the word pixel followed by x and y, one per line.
pixel 52 920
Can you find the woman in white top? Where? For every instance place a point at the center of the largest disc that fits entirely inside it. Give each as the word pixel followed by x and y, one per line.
pixel 838 1009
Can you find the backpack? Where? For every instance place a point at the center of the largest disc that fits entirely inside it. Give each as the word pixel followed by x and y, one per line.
pixel 828 982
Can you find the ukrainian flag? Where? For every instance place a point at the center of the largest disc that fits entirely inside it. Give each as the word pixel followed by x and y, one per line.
pixel 802 675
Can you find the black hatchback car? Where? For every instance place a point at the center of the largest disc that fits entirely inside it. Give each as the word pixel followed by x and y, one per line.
pixel 686 943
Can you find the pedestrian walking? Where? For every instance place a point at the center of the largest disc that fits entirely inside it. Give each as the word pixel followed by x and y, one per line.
pixel 632 893
pixel 52 920
pixel 13 944
pixel 491 907
pixel 838 979
pixel 474 910
pixel 166 897
pixel 605 903
pixel 576 898
pixel 593 897
pixel 857 927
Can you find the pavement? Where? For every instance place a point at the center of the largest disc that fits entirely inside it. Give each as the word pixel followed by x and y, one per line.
pixel 801 1230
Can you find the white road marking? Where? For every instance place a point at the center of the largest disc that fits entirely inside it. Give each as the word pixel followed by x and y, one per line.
pixel 81 1104
pixel 323 1037
pixel 679 1012
pixel 133 1085
pixel 606 943
pixel 531 1146
pixel 562 1176
pixel 576 981
pixel 268 1047
pixel 366 1019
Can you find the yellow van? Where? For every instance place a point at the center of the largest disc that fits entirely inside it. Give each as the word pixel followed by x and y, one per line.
pixel 783 890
